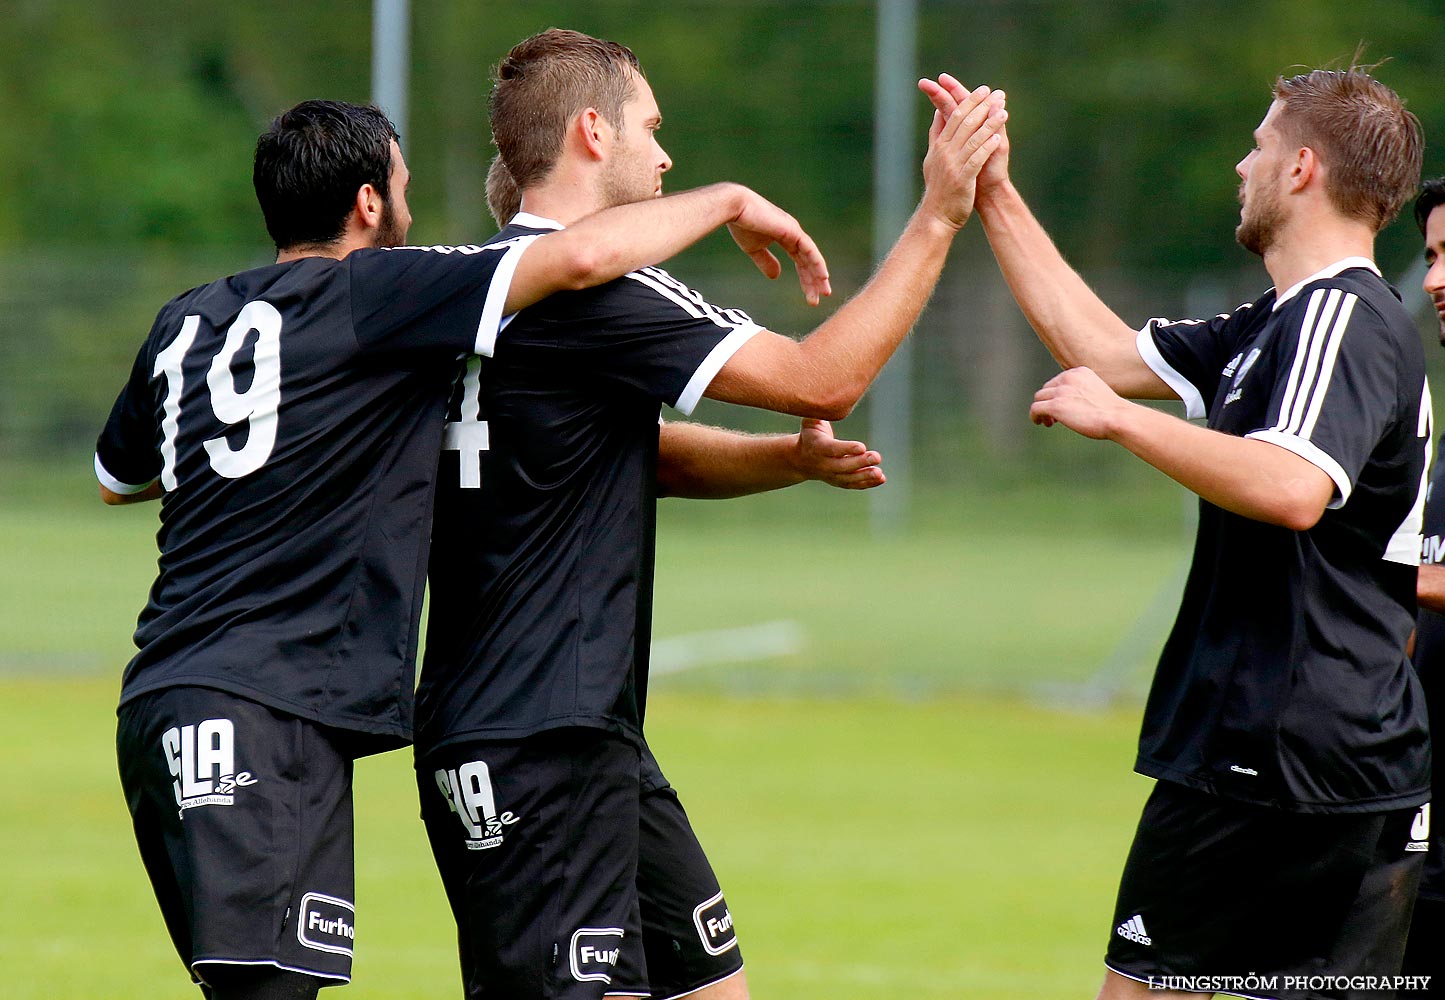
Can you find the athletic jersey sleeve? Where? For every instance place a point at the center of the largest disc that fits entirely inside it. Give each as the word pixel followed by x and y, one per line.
pixel 1190 354
pixel 126 457
pixel 407 299
pixel 645 332
pixel 1337 388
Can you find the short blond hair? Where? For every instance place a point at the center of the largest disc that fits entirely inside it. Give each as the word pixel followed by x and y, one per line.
pixel 542 83
pixel 1371 146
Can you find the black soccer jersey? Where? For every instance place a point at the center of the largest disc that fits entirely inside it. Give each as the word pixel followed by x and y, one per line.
pixel 293 414
pixel 1284 681
pixel 541 572
pixel 1430 664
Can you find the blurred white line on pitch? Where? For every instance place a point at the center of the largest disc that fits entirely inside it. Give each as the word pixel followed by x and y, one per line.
pixel 728 645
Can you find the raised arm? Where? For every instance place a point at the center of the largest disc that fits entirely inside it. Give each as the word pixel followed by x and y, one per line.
pixel 826 373
pixel 617 240
pixel 709 463
pixel 1073 323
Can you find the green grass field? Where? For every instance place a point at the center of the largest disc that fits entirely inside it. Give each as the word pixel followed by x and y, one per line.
pixel 890 806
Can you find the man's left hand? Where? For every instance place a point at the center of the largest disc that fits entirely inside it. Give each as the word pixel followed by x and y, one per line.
pixel 848 465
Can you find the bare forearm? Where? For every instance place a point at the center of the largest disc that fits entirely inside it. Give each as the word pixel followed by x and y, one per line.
pixel 706 463
pixel 1430 588
pixel 1255 479
pixel 613 242
pixel 826 373
pixel 1073 323
pixel 850 348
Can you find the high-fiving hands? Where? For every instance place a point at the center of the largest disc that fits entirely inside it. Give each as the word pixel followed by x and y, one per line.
pixel 947 94
pixel 961 141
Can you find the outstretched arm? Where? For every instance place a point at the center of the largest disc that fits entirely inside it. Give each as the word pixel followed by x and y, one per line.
pixel 1073 323
pixel 617 240
pixel 826 373
pixel 1252 478
pixel 708 463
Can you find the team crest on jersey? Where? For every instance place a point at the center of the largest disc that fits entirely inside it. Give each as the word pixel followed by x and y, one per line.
pixel 326 923
pixel 715 925
pixel 594 953
pixel 202 759
pixel 468 791
pixel 1243 370
pixel 1420 830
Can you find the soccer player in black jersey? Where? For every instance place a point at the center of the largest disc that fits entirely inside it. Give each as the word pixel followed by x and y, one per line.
pixel 1424 954
pixel 686 954
pixel 291 417
pixel 536 785
pixel 1286 727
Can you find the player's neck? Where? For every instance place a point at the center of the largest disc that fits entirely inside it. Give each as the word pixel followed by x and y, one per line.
pixel 565 210
pixel 566 195
pixel 336 251
pixel 355 235
pixel 1303 250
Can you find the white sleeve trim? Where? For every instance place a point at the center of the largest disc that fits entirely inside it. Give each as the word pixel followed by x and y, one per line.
pixel 492 320
pixel 1314 455
pixel 1183 388
pixel 711 365
pixel 115 485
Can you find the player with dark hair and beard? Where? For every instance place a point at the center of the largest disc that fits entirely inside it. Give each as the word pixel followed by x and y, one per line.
pixel 1279 851
pixel 291 417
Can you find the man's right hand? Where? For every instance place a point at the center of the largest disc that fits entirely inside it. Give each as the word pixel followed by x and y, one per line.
pixel 960 143
pixel 946 94
pixel 759 224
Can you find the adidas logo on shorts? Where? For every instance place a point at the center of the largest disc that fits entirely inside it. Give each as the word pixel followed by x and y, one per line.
pixel 1133 930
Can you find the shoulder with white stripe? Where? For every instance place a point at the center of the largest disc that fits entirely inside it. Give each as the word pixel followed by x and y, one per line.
pixel 1155 322
pixel 691 302
pixel 465 250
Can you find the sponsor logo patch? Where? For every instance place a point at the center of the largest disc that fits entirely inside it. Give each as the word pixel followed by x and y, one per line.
pixel 715 925
pixel 326 923
pixel 468 791
pixel 202 760
pixel 1420 830
pixel 594 953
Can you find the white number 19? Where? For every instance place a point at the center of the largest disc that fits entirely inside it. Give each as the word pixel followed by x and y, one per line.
pixel 256 406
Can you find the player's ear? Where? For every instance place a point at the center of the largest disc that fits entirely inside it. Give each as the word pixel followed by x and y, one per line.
pixel 593 132
pixel 369 206
pixel 1306 167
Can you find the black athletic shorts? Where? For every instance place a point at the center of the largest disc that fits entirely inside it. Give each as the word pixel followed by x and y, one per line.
pixel 1219 895
pixel 244 823
pixel 536 841
pixel 687 929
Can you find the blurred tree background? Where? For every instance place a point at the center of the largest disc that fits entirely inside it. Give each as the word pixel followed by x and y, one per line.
pixel 131 126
